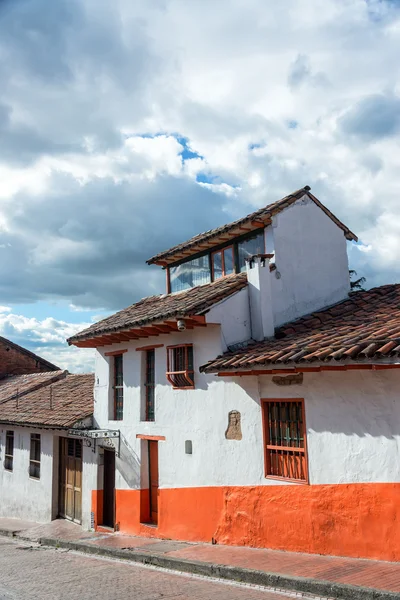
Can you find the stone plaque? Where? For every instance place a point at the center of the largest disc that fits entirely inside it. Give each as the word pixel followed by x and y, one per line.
pixel 234 431
pixel 293 379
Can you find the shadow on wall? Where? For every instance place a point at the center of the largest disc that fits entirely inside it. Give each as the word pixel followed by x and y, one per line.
pixel 128 463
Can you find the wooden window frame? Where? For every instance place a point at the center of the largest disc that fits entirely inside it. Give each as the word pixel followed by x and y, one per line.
pixel 7 455
pixel 222 252
pixel 234 242
pixel 33 461
pixel 187 373
pixel 268 446
pixel 118 387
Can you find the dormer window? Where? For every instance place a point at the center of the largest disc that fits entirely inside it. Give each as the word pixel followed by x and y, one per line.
pixel 215 263
pixel 190 274
pixel 222 262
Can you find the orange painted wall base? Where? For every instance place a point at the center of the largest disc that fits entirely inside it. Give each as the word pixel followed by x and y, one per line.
pixel 357 520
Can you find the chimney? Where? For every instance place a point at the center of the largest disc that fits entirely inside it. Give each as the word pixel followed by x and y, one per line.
pixel 260 296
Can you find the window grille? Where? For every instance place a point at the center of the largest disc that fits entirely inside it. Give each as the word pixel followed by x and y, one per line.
pixel 9 453
pixel 118 388
pixel 180 371
pixel 286 456
pixel 150 385
pixel 34 461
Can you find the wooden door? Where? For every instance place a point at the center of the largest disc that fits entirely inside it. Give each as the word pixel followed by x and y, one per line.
pixel 109 489
pixel 153 481
pixel 70 488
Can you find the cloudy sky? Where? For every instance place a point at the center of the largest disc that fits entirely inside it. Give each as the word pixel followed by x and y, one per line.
pixel 127 127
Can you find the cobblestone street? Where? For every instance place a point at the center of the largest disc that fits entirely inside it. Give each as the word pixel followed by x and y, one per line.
pixel 33 572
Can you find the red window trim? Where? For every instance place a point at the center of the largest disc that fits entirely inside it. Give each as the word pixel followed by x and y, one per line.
pixel 115 352
pixel 189 374
pixel 151 347
pixel 264 402
pixel 151 438
pixel 222 251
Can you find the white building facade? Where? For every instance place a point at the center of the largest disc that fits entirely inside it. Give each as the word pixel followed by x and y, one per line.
pixel 44 472
pixel 256 402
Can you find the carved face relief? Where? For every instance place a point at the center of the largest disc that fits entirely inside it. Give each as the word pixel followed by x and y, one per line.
pixel 234 431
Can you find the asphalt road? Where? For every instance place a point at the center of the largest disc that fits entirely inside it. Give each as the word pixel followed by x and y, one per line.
pixel 33 572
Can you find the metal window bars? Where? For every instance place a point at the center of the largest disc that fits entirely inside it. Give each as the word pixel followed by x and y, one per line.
pixel 286 456
pixel 118 388
pixel 150 385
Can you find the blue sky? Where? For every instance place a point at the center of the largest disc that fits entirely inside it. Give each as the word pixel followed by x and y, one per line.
pixel 128 127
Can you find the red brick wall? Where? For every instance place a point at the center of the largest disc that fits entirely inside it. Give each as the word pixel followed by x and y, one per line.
pixel 15 362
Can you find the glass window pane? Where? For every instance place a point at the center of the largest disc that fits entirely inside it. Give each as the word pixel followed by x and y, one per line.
pixel 189 274
pixel 217 265
pixel 249 247
pixel 228 260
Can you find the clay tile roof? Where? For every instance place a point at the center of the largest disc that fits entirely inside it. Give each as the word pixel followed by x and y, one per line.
pixel 365 326
pixel 194 301
pixel 14 385
pixel 254 220
pixel 45 363
pixel 59 404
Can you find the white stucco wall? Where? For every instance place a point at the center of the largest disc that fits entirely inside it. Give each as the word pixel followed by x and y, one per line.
pixel 24 497
pixel 233 314
pixel 353 422
pixel 311 258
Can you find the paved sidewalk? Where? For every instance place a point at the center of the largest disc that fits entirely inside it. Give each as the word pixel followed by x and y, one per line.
pixel 355 579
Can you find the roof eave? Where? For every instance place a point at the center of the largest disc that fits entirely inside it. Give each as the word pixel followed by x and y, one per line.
pixel 273 369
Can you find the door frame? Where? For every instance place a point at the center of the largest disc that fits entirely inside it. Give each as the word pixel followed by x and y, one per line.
pixel 150 444
pixel 111 526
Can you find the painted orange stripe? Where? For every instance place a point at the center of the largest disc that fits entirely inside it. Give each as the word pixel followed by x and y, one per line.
pixel 356 520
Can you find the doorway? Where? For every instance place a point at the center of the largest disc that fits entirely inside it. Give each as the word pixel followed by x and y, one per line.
pixel 70 480
pixel 109 489
pixel 153 481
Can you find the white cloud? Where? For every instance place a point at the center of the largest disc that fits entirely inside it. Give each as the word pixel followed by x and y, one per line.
pixel 47 339
pixel 128 127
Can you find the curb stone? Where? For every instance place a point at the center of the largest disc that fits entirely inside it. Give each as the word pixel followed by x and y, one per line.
pixel 340 591
pixel 10 533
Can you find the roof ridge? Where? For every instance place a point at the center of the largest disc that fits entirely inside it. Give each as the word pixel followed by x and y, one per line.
pixel 269 210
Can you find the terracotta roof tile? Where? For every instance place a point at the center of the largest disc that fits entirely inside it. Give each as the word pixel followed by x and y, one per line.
pixel 365 326
pixel 14 385
pixel 194 301
pixel 57 405
pixel 263 214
